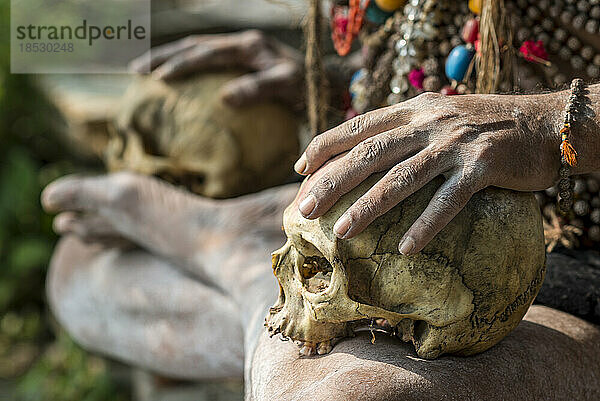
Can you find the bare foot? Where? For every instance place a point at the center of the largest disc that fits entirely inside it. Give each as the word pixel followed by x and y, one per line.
pixel 189 230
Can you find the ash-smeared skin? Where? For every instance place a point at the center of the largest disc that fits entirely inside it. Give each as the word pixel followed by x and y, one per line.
pixel 389 369
pixel 144 310
pixel 475 141
pixel 147 212
pixel 223 245
pixel 276 70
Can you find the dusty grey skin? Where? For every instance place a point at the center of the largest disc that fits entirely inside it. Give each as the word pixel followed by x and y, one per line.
pixel 144 310
pixel 276 70
pixel 475 141
pixel 225 246
pixel 462 294
pixel 212 252
pixel 193 297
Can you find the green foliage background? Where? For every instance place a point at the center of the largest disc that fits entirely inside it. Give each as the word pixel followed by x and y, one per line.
pixel 37 360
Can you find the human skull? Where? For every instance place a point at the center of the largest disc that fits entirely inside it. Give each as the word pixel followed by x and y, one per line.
pixel 464 292
pixel 183 132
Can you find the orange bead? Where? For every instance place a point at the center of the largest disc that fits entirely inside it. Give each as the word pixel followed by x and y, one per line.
pixel 475 6
pixel 390 5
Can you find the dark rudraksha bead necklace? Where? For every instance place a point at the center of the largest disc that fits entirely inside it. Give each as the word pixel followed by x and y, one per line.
pixel 567 152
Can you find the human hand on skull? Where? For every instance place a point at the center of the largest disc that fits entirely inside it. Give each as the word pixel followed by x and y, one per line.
pixel 474 141
pixel 276 69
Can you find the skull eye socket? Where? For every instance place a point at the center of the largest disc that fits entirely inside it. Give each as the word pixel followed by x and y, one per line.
pixel 316 273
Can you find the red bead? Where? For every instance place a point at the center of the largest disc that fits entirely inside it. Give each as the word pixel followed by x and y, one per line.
pixel 448 91
pixel 470 31
pixel 533 51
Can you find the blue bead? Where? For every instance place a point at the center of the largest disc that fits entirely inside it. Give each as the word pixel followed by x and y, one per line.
pixel 355 77
pixel 458 62
pixel 376 15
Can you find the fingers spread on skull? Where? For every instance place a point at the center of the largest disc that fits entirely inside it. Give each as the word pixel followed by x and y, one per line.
pixel 349 134
pixel 158 55
pixel 374 154
pixel 401 181
pixel 249 49
pixel 269 83
pixel 202 56
pixel 450 198
pixel 274 69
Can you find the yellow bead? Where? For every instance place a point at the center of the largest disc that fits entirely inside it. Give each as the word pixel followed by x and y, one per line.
pixel 475 6
pixel 390 5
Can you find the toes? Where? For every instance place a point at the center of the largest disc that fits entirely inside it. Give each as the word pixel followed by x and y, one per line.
pixel 89 228
pixel 61 194
pixel 64 223
pixel 77 193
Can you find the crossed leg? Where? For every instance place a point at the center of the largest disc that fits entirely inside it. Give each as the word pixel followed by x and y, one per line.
pixel 551 355
pixel 139 308
pixel 177 303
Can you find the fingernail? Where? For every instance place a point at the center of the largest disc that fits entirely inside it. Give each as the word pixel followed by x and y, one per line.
pixel 407 246
pixel 307 205
pixel 300 165
pixel 342 226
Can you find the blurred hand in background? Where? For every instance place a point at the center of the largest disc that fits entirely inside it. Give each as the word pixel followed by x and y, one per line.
pixel 275 70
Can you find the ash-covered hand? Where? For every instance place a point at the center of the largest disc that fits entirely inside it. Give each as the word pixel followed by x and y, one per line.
pixel 474 141
pixel 275 69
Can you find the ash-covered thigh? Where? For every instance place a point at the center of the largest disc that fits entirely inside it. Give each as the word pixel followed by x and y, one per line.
pixel 550 355
pixel 139 308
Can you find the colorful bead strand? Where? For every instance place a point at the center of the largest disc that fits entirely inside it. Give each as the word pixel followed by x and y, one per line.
pixel 343 38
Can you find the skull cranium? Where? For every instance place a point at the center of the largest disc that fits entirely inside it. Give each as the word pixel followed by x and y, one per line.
pixel 183 132
pixel 462 294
